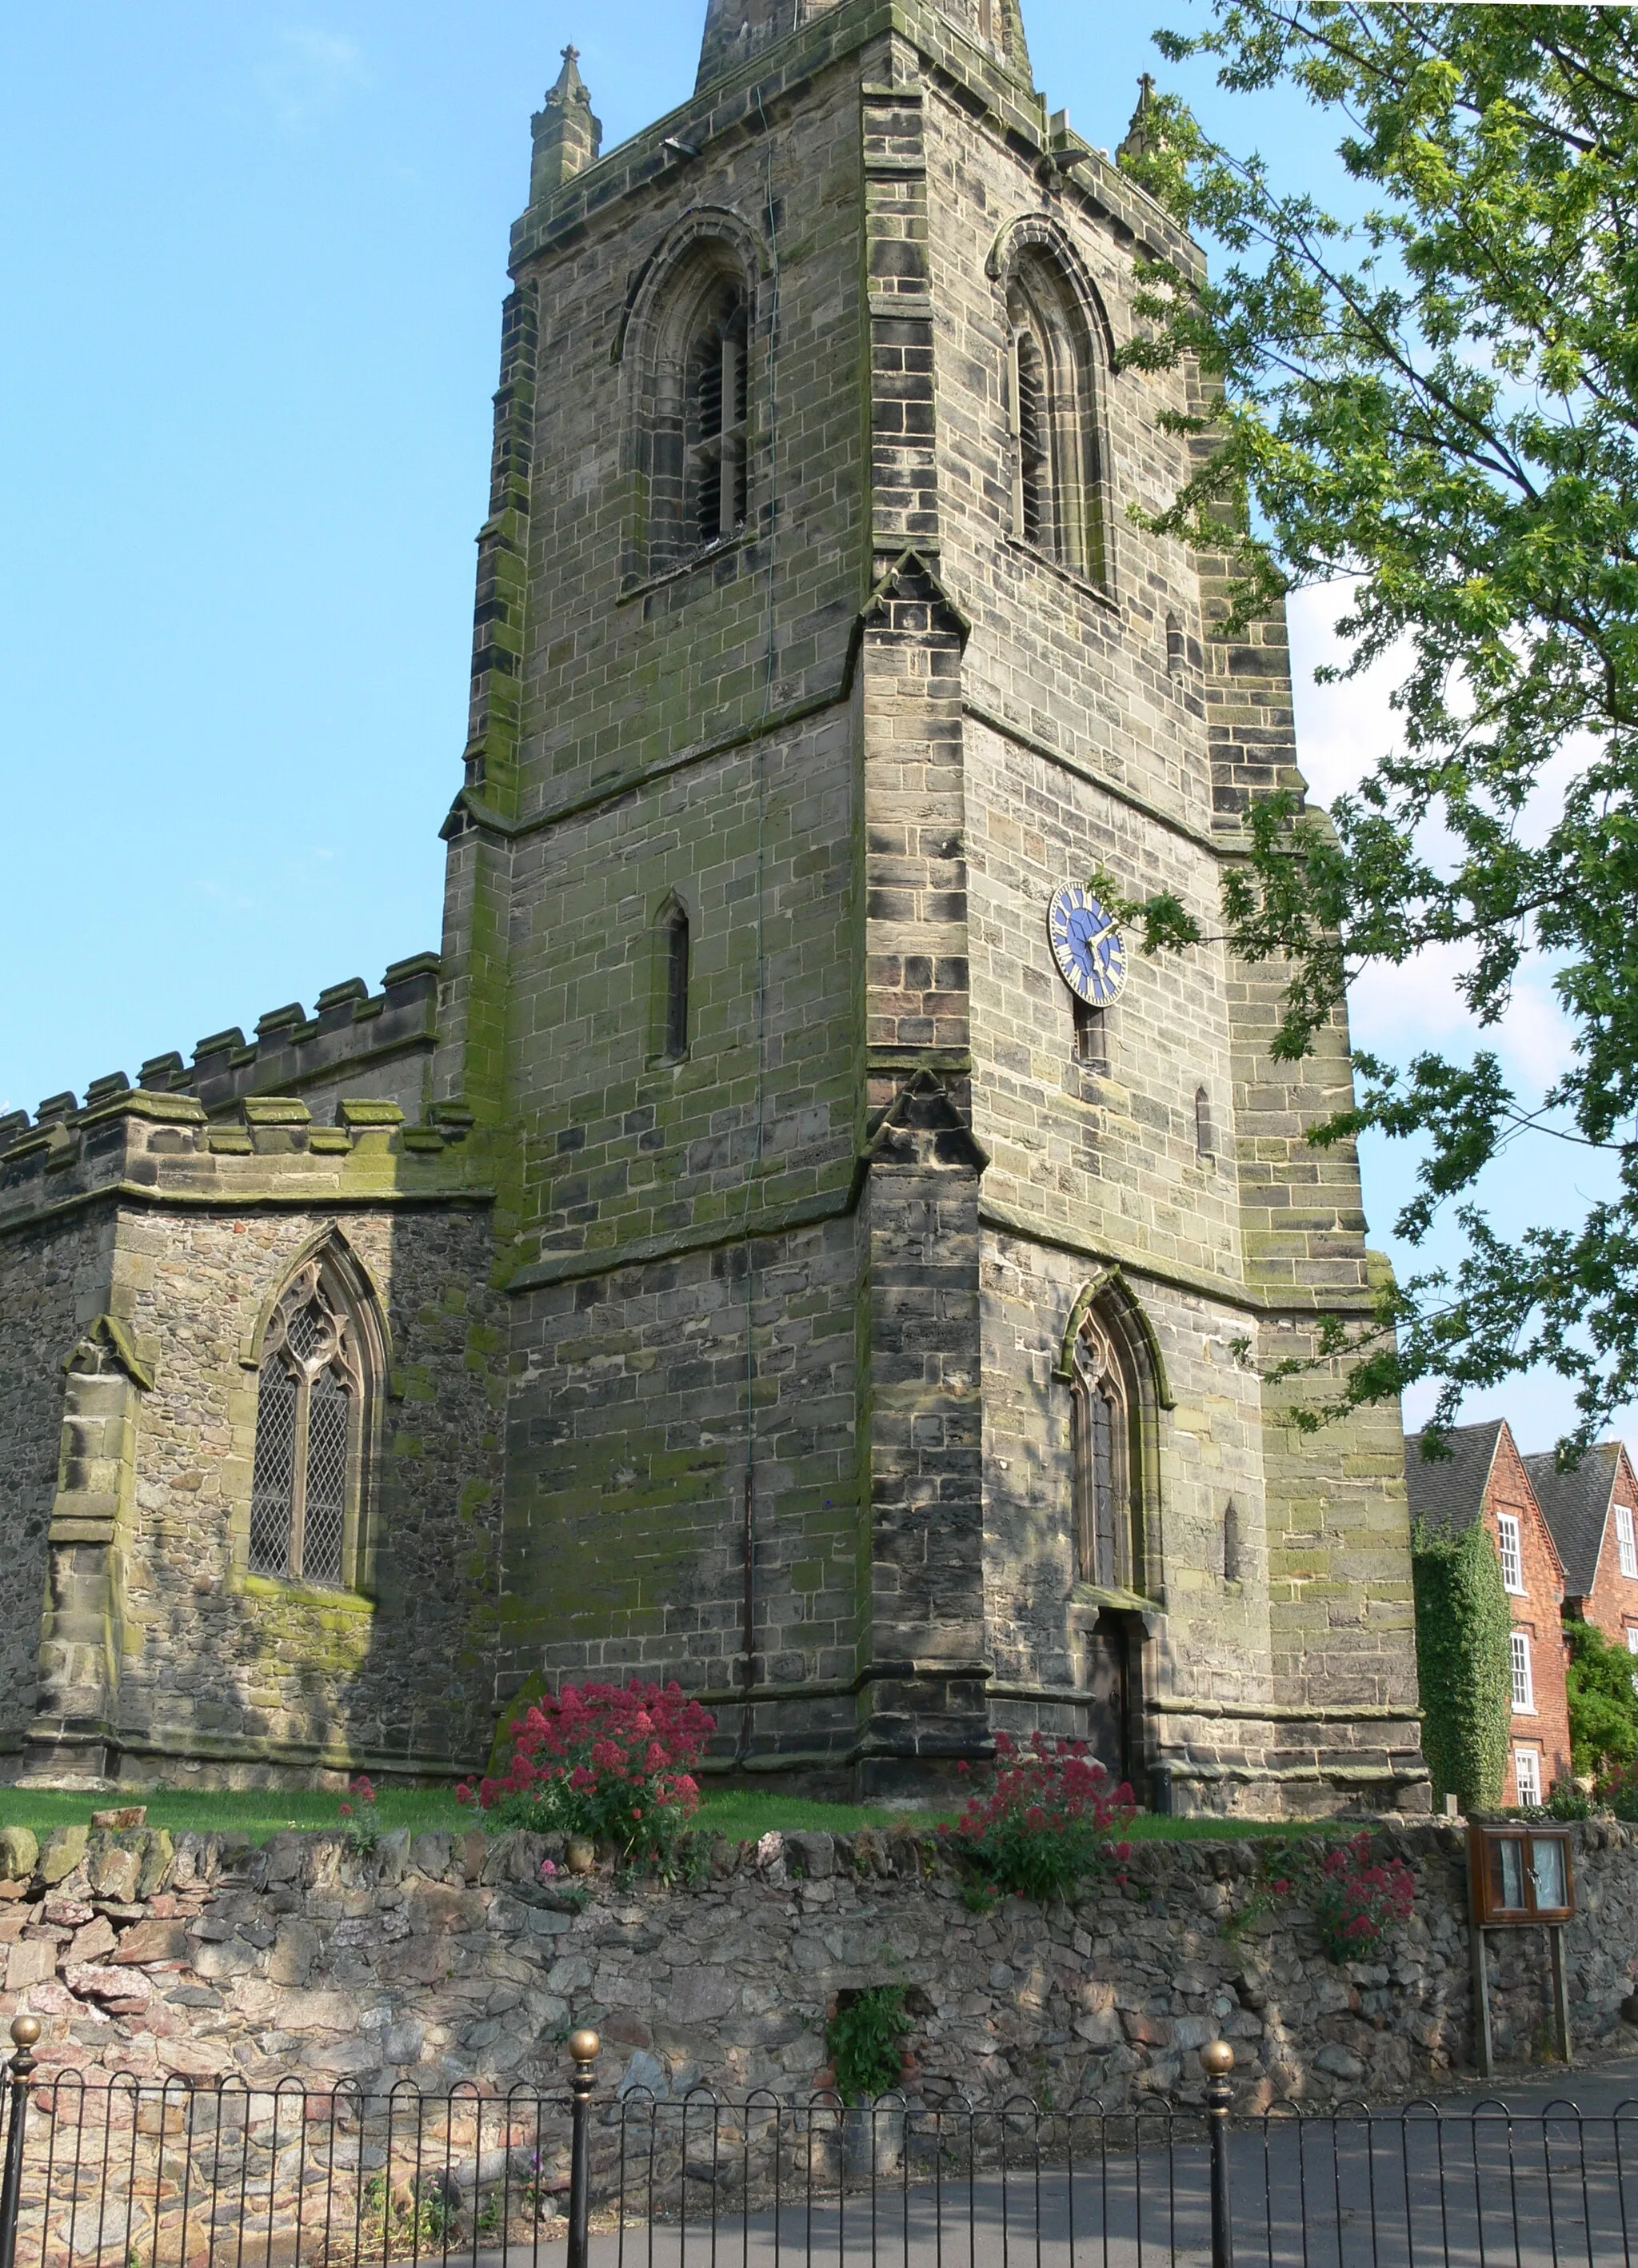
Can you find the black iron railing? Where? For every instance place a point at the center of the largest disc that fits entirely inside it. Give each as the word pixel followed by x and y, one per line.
pixel 108 2173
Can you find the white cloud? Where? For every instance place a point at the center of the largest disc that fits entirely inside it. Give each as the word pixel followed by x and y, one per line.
pixel 1343 730
pixel 310 75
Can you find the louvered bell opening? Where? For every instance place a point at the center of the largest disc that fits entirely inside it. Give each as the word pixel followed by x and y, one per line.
pixel 708 497
pixel 707 388
pixel 1032 450
pixel 733 339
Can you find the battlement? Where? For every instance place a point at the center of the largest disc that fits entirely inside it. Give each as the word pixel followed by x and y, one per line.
pixel 153 1148
pixel 389 1035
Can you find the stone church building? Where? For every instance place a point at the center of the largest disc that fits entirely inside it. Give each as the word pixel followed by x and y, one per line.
pixel 785 1241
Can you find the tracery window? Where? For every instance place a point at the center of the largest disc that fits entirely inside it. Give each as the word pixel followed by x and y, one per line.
pixel 1103 1462
pixel 1058 488
pixel 310 1409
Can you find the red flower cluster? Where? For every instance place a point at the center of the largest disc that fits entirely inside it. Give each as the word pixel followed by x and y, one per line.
pixel 1050 1821
pixel 609 1761
pixel 1356 1899
pixel 363 1831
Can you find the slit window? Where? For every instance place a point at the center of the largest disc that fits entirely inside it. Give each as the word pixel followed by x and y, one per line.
pixel 1626 1544
pixel 1509 1543
pixel 676 950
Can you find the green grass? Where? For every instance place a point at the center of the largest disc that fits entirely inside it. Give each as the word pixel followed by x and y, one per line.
pixel 740 1813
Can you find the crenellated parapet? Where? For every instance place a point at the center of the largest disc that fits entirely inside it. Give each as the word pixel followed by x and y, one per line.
pixel 382 1041
pixel 136 1146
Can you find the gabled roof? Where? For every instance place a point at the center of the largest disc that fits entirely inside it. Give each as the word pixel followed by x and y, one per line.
pixel 1450 1493
pixel 1575 1506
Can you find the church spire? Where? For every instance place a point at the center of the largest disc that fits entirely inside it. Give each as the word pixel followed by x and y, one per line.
pixel 736 29
pixel 567 137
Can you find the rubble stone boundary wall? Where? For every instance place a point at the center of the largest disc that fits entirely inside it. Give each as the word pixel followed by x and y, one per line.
pixel 443 1958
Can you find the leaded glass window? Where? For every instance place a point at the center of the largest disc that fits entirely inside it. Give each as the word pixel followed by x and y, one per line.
pixel 1102 1463
pixel 309 1435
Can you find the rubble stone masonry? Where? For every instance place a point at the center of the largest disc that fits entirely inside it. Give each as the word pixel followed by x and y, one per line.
pixel 445 1960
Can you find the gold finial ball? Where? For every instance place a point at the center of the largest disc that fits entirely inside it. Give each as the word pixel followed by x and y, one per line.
pixel 1218 2058
pixel 25 2031
pixel 584 2045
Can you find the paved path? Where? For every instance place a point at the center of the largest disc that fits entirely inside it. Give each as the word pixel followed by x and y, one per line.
pixel 1550 2180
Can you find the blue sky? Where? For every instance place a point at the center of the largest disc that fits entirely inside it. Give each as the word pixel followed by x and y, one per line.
pixel 252 258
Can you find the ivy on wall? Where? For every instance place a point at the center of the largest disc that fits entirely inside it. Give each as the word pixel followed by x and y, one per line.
pixel 1464 1657
pixel 1603 1702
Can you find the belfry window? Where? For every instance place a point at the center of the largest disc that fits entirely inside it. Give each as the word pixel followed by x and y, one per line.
pixel 1056 482
pixel 1102 1462
pixel 692 398
pixel 716 406
pixel 1032 506
pixel 308 1470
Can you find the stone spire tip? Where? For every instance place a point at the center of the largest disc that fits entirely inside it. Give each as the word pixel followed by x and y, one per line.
pixel 569 87
pixel 1140 132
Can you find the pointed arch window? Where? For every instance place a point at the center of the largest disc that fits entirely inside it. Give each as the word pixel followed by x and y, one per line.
pixel 1103 1462
pixel 673 977
pixel 1205 1141
pixel 695 409
pixel 307 1480
pixel 671 983
pixel 1058 504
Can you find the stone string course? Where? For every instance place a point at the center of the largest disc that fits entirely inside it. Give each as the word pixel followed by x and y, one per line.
pixel 439 1959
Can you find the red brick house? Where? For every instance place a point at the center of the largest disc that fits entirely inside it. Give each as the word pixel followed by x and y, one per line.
pixel 1593 1515
pixel 1486 1478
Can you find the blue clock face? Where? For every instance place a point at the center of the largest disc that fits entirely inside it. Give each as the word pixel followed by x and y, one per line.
pixel 1089 950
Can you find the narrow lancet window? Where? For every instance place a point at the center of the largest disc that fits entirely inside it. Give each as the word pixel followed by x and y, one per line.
pixel 1233 1548
pixel 306 1481
pixel 676 946
pixel 1204 1148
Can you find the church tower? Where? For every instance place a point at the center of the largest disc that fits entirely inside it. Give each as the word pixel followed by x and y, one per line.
pixel 881 1240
